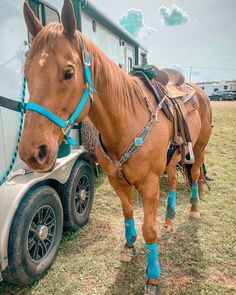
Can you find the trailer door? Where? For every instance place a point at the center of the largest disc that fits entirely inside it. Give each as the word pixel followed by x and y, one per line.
pixel 129 58
pixel 12 54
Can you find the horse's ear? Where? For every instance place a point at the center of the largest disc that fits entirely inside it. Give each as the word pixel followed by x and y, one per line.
pixel 68 18
pixel 32 23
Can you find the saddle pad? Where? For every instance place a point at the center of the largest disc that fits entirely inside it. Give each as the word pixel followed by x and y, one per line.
pixel 149 70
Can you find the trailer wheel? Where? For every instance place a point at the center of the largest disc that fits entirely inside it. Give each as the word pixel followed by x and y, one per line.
pixel 77 196
pixel 34 236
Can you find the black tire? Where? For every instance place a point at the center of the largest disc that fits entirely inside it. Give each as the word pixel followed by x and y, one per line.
pixel 35 236
pixel 77 196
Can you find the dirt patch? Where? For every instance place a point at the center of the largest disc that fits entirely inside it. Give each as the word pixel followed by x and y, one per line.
pixel 219 277
pixel 223 104
pixel 175 277
pixel 180 281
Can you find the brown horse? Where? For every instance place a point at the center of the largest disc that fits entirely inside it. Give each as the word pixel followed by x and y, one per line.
pixel 54 71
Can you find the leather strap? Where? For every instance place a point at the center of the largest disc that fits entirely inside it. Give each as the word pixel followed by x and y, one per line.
pixel 156 91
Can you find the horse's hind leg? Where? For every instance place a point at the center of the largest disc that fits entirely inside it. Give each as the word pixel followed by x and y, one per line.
pixel 124 192
pixel 196 174
pixel 172 175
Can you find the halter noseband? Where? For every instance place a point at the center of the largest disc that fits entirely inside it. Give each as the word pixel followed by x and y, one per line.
pixel 89 92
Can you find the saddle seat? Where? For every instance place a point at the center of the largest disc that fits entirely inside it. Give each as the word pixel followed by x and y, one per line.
pixel 174 84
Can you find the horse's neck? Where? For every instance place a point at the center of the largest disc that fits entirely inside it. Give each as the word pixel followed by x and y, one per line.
pixel 119 112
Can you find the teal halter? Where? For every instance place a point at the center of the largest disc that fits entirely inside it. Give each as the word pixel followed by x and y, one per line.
pixel 89 92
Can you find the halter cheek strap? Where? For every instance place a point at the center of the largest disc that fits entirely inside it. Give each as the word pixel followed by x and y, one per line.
pixel 89 92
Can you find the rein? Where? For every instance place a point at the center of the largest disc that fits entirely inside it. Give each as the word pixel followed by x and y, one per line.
pixel 89 92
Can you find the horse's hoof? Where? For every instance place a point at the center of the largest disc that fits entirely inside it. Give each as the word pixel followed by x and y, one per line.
pixel 194 215
pixel 152 289
pixel 127 253
pixel 167 227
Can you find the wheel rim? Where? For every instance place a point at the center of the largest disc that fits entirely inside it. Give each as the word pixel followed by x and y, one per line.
pixel 82 194
pixel 41 233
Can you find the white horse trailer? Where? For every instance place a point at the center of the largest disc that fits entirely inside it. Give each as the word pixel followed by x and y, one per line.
pixel 32 205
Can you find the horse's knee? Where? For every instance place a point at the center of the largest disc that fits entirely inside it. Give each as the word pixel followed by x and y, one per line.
pixel 172 177
pixel 149 233
pixel 124 192
pixel 127 206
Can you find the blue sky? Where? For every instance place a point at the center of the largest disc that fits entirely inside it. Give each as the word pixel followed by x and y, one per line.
pixel 182 33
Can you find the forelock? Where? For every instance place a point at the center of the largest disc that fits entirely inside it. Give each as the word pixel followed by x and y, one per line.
pixel 47 38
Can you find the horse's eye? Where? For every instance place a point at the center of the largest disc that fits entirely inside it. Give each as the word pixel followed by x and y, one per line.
pixel 68 75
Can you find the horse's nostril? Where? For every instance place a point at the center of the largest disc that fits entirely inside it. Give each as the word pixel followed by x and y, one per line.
pixel 43 152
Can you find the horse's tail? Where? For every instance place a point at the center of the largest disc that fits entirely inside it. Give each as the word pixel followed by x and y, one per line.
pixel 187 173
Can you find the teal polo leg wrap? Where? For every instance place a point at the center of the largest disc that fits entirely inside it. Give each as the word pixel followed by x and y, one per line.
pixel 195 195
pixel 130 231
pixel 153 266
pixel 171 205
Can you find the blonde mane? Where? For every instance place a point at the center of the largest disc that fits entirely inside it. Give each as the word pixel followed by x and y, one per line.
pixel 114 79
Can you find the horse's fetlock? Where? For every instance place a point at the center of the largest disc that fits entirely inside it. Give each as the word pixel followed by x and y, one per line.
pixel 150 234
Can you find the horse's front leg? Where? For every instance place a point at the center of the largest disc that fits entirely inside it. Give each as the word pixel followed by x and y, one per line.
pixel 150 194
pixel 124 191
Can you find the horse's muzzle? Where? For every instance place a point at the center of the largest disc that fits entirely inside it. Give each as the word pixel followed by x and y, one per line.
pixel 40 158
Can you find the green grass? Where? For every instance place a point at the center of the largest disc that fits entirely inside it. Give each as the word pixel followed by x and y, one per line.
pixel 196 258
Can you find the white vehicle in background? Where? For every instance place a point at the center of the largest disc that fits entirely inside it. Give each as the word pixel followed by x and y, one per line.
pixel 34 208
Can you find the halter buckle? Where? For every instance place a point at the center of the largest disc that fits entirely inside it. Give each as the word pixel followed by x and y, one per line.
pixel 88 64
pixel 66 129
pixel 91 92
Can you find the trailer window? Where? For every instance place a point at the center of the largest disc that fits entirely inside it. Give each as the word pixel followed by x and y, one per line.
pixel 51 15
pixel 44 13
pixel 37 9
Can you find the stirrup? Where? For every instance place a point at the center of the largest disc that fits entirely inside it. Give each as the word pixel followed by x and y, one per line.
pixel 191 154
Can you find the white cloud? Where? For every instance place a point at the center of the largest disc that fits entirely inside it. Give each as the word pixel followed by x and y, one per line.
pixel 173 16
pixel 133 22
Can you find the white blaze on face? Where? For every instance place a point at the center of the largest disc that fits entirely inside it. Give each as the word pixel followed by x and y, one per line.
pixel 43 59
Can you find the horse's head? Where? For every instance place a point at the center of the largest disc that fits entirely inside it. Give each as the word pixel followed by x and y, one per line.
pixel 55 77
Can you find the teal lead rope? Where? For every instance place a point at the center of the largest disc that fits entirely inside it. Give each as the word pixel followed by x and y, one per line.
pixel 3 179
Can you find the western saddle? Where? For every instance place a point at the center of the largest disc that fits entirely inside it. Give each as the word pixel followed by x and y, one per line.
pixel 177 99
